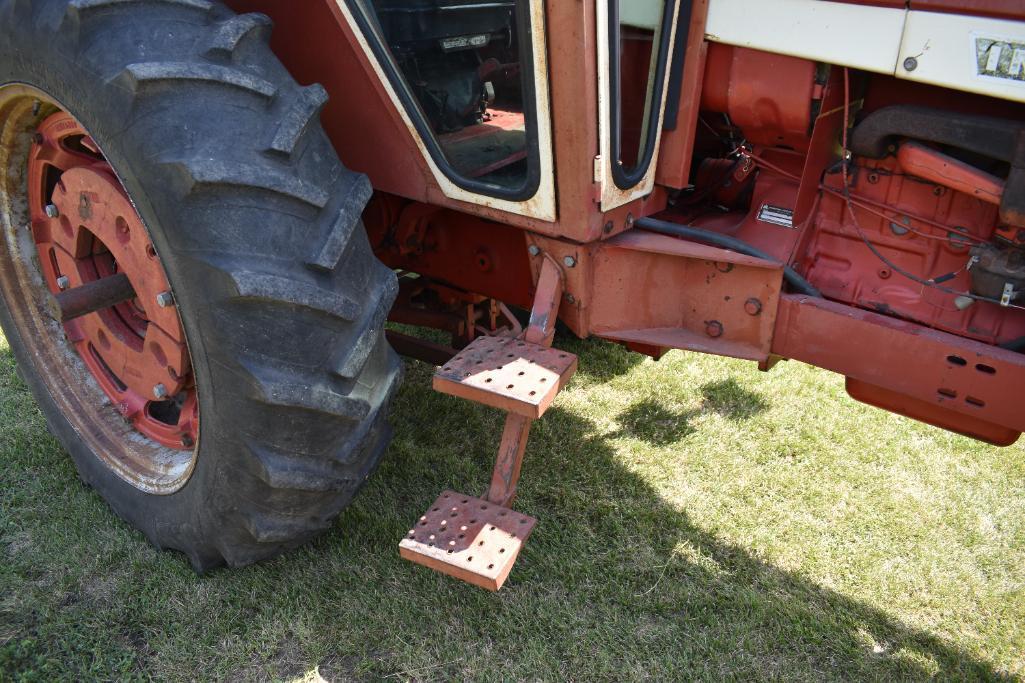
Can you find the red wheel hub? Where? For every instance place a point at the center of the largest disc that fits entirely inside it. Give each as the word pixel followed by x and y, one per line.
pixel 86 228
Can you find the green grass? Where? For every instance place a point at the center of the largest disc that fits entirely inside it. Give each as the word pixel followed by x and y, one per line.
pixel 698 520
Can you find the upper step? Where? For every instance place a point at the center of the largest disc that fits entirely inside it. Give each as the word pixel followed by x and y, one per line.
pixel 510 374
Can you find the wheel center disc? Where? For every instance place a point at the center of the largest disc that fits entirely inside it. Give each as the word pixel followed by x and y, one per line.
pixel 85 229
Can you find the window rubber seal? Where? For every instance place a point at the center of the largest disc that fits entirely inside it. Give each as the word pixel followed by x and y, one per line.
pixel 628 178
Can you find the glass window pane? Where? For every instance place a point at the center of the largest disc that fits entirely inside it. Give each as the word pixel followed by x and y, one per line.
pixel 639 33
pixel 467 67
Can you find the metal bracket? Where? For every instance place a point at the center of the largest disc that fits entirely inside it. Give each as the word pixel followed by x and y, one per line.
pixel 540 331
pixel 1008 294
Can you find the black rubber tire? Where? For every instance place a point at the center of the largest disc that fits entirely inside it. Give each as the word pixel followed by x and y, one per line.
pixel 258 226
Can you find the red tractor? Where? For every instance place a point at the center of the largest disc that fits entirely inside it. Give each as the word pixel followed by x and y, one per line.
pixel 200 255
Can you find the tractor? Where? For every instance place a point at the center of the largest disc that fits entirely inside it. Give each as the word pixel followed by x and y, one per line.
pixel 207 227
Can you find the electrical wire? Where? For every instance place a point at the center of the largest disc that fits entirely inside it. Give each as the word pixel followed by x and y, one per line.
pixel 866 204
pixel 869 204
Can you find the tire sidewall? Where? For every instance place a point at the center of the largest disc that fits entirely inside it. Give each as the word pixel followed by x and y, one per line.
pixel 180 518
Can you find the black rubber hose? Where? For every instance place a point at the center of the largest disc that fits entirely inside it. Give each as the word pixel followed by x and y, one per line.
pixel 1014 345
pixel 726 242
pixel 986 135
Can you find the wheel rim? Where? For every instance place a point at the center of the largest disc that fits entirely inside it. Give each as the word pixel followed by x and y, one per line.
pixel 72 222
pixel 135 350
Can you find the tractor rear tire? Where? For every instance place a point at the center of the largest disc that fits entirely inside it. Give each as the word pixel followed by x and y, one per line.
pixel 258 227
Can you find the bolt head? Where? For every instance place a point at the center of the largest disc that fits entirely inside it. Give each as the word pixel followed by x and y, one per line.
pixel 713 328
pixel 165 299
pixel 569 261
pixel 910 64
pixel 52 211
pixel 753 306
pixel 533 250
pixel 63 282
pixel 160 392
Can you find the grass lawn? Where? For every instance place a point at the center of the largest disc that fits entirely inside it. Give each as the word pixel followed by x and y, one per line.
pixel 698 520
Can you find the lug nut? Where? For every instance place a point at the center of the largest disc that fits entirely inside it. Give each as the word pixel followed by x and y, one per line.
pixel 569 261
pixel 63 282
pixel 160 392
pixel 52 211
pixel 533 250
pixel 165 299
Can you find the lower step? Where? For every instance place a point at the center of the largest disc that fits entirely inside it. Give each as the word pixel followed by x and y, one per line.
pixel 469 539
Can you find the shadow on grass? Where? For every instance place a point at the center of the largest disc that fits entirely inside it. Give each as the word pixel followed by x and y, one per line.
pixel 601 591
pixel 731 400
pixel 652 422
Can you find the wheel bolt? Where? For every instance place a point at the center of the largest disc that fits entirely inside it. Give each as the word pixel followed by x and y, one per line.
pixel 63 282
pixel 713 328
pixel 160 391
pixel 165 299
pixel 569 261
pixel 533 250
pixel 52 211
pixel 753 306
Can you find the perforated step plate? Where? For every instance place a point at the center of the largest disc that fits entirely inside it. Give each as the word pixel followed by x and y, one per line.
pixel 468 538
pixel 510 374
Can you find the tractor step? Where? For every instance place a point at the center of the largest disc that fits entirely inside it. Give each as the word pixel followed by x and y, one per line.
pixel 477 540
pixel 511 374
pixel 468 538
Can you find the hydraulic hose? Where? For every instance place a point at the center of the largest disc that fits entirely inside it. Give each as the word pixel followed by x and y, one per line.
pixel 726 242
pixel 1014 345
